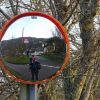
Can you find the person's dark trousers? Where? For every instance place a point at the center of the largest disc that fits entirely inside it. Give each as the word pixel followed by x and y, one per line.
pixel 34 74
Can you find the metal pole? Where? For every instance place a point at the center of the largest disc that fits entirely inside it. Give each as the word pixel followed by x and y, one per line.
pixel 36 92
pixel 28 92
pixel 32 92
pixel 23 92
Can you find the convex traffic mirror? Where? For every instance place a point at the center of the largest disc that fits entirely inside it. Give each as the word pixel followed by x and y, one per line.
pixel 33 47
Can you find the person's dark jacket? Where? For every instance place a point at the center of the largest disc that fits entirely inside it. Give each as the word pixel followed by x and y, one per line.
pixel 35 65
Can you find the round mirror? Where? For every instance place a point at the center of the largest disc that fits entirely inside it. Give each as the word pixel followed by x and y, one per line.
pixel 33 48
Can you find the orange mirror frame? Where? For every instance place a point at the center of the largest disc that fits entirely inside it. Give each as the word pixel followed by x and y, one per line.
pixel 63 33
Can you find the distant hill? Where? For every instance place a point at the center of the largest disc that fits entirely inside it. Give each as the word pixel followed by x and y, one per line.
pixel 35 44
pixel 19 40
pixel 17 43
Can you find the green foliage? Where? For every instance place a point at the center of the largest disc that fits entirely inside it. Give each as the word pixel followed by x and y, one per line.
pixel 60 45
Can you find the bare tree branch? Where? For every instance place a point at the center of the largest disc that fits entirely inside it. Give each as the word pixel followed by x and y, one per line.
pixel 71 13
pixel 12 7
pixel 4 14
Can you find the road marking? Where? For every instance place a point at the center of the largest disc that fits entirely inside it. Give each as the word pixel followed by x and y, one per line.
pixel 51 66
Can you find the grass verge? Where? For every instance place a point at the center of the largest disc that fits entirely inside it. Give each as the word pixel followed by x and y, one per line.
pixel 54 57
pixel 17 59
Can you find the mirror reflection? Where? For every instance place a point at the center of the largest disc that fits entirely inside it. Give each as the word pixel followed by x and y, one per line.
pixel 32 48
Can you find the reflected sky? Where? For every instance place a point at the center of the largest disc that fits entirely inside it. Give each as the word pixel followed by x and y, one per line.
pixel 38 27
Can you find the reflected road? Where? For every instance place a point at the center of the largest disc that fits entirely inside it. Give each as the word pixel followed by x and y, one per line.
pixel 48 68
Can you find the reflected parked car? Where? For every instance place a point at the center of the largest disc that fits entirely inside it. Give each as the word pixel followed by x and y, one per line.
pixel 37 53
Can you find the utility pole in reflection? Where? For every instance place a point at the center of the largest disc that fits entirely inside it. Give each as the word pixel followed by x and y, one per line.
pixel 22 41
pixel 22 35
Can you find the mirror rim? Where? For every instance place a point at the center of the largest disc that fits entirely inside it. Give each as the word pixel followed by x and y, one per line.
pixel 62 31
